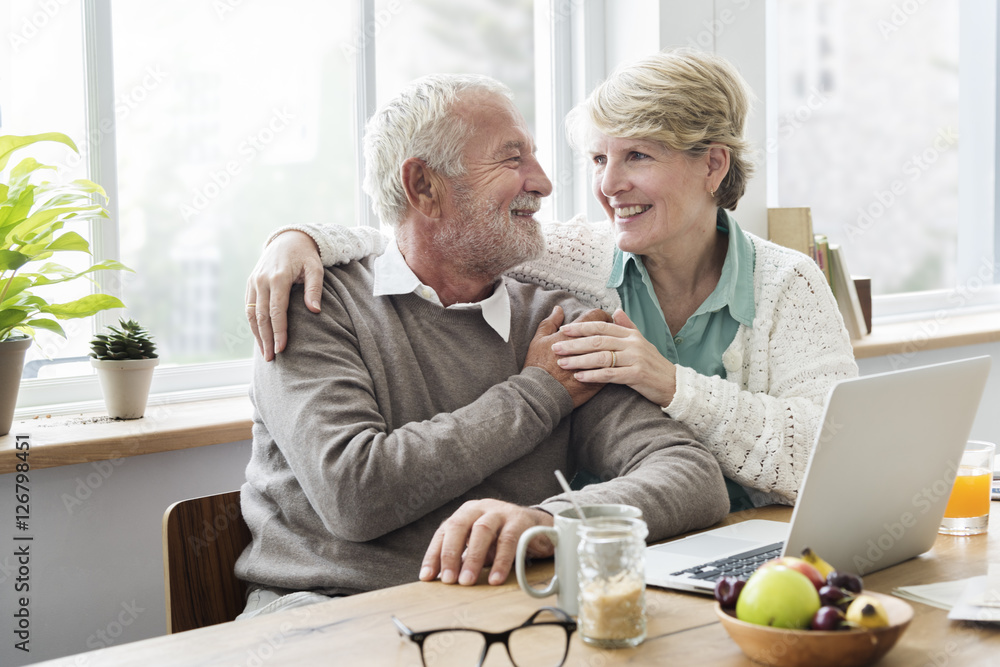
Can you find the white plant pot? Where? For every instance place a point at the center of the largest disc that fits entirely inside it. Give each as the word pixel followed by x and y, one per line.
pixel 12 353
pixel 125 385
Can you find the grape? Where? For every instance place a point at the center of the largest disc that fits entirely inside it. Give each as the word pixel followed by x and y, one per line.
pixel 846 580
pixel 827 618
pixel 727 590
pixel 835 597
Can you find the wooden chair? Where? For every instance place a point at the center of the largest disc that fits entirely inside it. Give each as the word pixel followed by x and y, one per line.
pixel 202 538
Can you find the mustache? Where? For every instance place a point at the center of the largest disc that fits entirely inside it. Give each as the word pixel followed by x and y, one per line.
pixel 526 202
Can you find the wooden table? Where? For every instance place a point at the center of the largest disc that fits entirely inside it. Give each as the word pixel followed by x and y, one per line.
pixel 682 628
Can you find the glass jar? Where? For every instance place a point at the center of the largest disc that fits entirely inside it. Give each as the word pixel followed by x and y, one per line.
pixel 612 585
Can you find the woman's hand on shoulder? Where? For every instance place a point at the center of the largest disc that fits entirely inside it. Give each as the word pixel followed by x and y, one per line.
pixel 617 353
pixel 292 257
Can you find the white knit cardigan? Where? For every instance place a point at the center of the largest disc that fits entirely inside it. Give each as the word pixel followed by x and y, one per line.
pixel 761 420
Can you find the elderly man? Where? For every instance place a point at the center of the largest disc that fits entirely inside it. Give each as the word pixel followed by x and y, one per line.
pixel 412 427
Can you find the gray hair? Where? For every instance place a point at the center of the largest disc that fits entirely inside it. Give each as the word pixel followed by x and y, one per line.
pixel 418 123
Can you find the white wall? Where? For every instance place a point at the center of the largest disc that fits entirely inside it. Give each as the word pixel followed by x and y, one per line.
pixel 987 424
pixel 96 560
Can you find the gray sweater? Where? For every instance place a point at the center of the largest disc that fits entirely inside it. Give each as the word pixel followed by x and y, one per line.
pixel 384 414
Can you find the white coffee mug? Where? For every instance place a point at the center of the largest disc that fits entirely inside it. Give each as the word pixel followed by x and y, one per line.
pixel 564 537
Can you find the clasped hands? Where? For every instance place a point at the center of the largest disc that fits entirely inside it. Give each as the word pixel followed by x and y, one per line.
pixel 614 351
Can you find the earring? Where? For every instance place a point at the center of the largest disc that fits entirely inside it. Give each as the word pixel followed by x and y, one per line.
pixel 711 193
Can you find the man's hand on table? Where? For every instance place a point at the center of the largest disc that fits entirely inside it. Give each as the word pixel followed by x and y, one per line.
pixel 479 533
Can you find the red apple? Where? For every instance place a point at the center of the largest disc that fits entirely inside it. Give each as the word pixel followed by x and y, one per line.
pixel 800 565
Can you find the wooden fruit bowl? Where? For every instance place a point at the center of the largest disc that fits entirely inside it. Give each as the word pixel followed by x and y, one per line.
pixel 816 648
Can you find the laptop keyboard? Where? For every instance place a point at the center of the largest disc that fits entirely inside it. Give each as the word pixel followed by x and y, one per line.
pixel 739 565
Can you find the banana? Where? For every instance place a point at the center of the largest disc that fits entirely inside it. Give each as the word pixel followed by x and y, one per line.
pixel 867 612
pixel 809 556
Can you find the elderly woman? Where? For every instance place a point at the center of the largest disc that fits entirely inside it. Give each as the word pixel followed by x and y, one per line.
pixel 739 338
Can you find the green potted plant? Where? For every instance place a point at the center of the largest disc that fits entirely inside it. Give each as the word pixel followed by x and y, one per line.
pixel 124 357
pixel 33 213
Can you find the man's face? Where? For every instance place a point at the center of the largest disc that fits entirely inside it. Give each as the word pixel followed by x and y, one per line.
pixel 492 226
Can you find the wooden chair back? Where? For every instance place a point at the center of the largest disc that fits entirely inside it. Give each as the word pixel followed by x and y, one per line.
pixel 202 538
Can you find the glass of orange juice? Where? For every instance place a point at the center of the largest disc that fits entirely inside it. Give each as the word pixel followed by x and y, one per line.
pixel 968 510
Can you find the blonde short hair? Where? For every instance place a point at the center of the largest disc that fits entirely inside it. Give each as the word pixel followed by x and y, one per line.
pixel 684 99
pixel 419 122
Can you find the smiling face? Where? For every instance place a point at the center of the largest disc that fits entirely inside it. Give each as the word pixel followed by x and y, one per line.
pixel 491 217
pixel 657 198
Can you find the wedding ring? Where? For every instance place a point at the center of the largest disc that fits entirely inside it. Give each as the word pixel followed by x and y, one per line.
pixel 614 359
pixel 251 305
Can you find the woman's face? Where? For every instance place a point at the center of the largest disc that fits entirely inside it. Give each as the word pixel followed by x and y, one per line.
pixel 655 197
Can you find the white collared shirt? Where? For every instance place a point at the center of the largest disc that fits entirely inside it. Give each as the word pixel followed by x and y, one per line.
pixel 394 276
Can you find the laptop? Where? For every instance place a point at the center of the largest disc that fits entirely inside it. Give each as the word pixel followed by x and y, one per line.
pixel 875 488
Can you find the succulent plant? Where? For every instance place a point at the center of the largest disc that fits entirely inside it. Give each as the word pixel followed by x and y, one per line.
pixel 131 341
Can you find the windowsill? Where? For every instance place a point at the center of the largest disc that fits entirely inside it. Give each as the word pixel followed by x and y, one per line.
pixel 929 334
pixel 81 438
pixel 66 440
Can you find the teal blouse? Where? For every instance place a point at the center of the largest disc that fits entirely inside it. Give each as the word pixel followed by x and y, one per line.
pixel 710 330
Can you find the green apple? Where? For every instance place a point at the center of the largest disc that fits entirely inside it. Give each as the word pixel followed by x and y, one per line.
pixel 778 596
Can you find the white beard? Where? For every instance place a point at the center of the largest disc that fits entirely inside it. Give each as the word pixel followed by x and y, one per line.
pixel 486 240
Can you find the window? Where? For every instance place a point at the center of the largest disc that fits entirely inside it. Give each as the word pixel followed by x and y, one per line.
pixel 496 38
pixel 239 126
pixel 886 129
pixel 229 119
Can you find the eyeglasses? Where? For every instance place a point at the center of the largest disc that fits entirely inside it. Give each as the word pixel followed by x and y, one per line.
pixel 541 641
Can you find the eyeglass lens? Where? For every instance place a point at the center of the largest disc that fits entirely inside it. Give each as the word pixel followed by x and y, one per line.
pixel 458 648
pixel 538 646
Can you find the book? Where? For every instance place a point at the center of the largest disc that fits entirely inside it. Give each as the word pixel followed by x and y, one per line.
pixel 821 253
pixel 792 228
pixel 846 294
pixel 863 285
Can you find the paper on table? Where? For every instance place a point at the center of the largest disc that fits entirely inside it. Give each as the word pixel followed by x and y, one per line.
pixel 943 595
pixel 966 608
pixel 989 594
